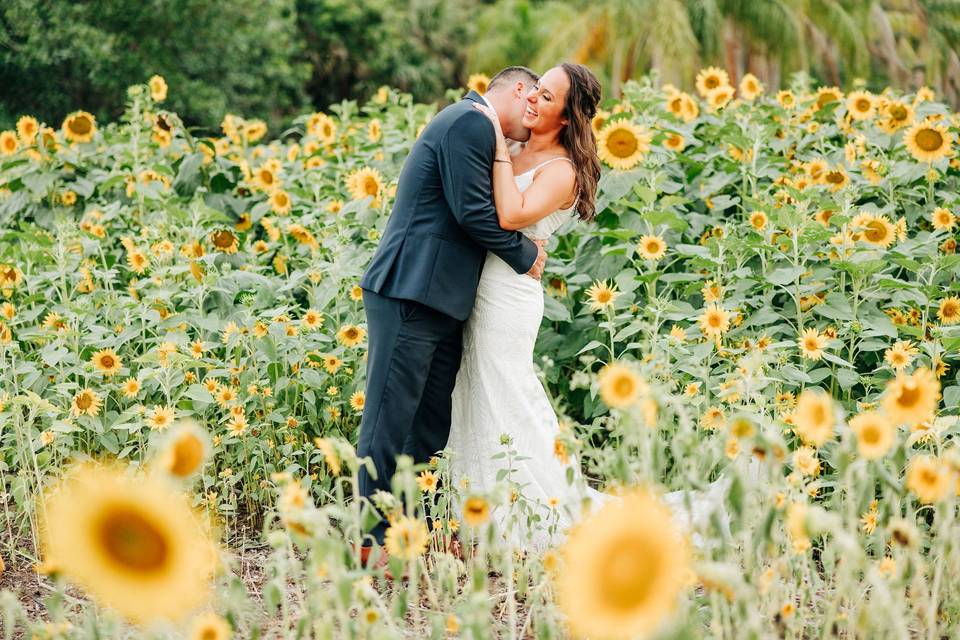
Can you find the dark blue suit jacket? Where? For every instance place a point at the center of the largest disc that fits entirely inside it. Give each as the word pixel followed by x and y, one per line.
pixel 444 220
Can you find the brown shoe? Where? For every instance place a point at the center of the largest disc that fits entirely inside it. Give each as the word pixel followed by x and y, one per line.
pixel 459 550
pixel 381 564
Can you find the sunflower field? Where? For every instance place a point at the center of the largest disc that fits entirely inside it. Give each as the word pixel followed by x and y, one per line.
pixel 769 295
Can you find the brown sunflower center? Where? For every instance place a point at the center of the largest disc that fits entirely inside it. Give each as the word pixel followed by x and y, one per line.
pixel 623 386
pixel 107 361
pixel 876 231
pixel 909 395
pixel 132 541
pixel 898 112
pixel 834 177
pixel 711 82
pixel 929 139
pixel 80 125
pixel 223 239
pixel 187 455
pixel 370 186
pixel 622 143
pixel 84 400
pixel 628 574
pixel 870 434
pixel 863 104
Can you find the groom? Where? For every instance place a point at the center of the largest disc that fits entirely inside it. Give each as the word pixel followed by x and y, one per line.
pixel 422 281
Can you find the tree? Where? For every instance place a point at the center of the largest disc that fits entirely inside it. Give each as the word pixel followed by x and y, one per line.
pixel 231 55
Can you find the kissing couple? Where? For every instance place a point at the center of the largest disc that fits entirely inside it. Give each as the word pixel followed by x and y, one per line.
pixel 453 296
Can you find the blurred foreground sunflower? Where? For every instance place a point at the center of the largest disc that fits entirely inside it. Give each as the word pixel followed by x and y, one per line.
pixel 133 543
pixel 624 569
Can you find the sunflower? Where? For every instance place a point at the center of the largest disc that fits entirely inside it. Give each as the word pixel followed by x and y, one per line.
pixel 79 126
pixel 836 178
pixel 86 402
pixel 8 143
pixel 357 401
pixel 814 417
pixel 210 626
pixel 898 114
pixel 828 95
pixel 651 247
pixel 929 478
pixel 185 451
pixel 427 481
pixel 364 183
pixel 622 144
pixel 158 88
pixel 374 130
pixel 106 361
pixel 912 399
pixel 786 99
pixel 476 511
pixel 330 455
pixel 674 142
pixel 601 295
pixel 161 417
pixel 599 120
pixel 861 105
pixel 711 79
pixel 720 97
pixel 714 321
pixel 351 335
pixel 27 129
pixel 689 109
pixel 224 240
pixel 323 127
pixel 312 319
pixel 265 177
pixel 280 202
pixel 928 141
pixel 805 460
pixel 812 344
pixel 943 219
pixel 949 310
pixel 478 82
pixel 332 363
pixel 758 220
pixel 875 433
pixel 134 544
pixel 407 538
pixel 900 354
pixel 878 231
pixel 750 87
pixel 620 386
pixel 624 569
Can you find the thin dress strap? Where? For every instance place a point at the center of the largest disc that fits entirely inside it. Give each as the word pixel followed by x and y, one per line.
pixel 576 201
pixel 543 164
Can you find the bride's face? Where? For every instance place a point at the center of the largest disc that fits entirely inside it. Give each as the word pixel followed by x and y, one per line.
pixel 546 102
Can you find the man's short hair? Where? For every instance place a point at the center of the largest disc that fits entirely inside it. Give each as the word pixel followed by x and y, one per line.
pixel 511 75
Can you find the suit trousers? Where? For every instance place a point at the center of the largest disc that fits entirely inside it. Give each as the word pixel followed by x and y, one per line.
pixel 412 361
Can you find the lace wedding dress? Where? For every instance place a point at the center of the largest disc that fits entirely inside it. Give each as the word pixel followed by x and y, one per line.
pixel 498 393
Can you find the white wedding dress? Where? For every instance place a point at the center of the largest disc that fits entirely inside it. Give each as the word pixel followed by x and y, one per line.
pixel 498 393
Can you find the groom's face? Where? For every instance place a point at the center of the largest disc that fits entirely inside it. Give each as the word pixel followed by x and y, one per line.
pixel 512 121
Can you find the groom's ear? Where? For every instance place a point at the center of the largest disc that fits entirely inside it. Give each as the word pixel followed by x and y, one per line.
pixel 518 89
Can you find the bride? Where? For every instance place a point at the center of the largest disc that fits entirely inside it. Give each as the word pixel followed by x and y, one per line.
pixel 498 401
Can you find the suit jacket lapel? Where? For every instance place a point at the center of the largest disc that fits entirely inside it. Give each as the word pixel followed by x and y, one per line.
pixel 474 96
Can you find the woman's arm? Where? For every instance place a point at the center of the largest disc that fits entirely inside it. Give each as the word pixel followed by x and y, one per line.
pixel 552 187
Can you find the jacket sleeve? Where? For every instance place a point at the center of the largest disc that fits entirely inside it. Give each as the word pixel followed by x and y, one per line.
pixel 465 156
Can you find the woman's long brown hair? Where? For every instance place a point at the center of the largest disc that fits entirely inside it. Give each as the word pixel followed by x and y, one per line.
pixel 577 136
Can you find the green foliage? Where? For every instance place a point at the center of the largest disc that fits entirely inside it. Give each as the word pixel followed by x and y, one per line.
pixel 241 54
